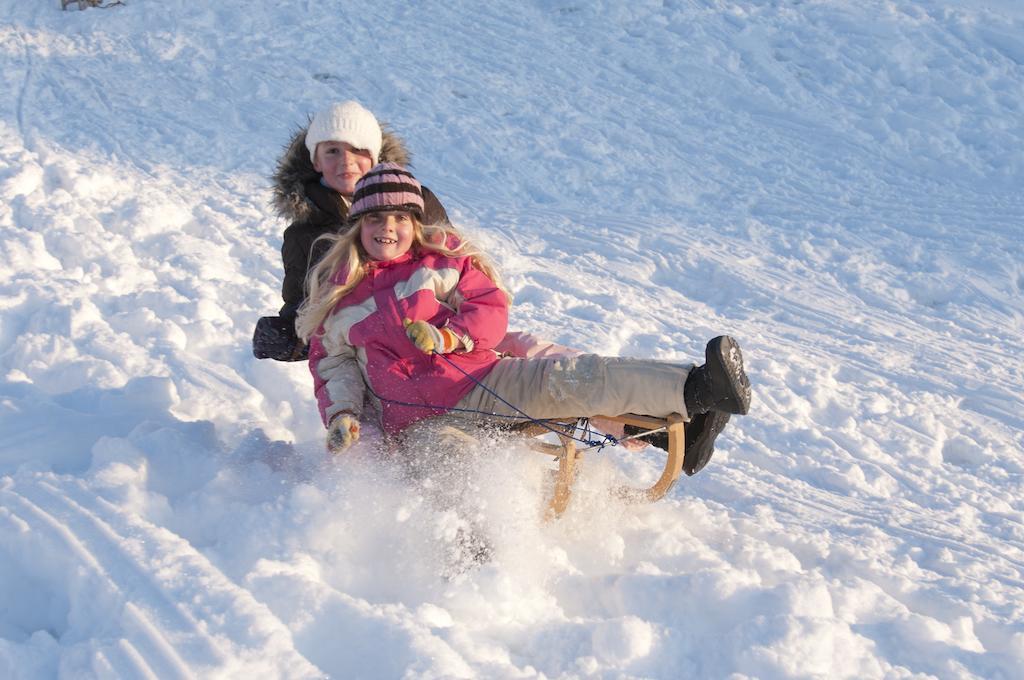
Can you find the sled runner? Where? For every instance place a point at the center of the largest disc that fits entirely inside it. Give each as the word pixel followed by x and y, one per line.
pixel 569 457
pixel 84 4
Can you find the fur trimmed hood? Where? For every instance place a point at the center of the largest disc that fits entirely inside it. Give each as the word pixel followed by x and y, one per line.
pixel 295 170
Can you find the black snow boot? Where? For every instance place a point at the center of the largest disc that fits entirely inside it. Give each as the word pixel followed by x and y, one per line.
pixel 700 446
pixel 701 432
pixel 720 384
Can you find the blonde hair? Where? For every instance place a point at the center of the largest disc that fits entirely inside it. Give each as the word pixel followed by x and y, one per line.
pixel 346 261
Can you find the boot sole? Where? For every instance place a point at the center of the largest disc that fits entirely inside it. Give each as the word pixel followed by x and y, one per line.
pixel 724 358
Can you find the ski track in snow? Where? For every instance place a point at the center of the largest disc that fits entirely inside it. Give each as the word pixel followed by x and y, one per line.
pixel 836 185
pixel 179 616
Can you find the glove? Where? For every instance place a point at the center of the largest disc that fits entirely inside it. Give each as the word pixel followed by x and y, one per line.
pixel 342 432
pixel 429 338
pixel 275 338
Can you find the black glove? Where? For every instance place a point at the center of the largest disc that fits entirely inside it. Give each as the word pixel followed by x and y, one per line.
pixel 275 338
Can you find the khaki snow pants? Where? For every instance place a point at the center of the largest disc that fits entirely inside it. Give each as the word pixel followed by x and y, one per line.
pixel 564 387
pixel 584 385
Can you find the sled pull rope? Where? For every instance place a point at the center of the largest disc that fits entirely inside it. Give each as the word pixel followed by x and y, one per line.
pixel 600 443
pixel 591 443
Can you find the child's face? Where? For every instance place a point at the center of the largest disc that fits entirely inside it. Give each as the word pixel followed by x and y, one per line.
pixel 386 235
pixel 342 165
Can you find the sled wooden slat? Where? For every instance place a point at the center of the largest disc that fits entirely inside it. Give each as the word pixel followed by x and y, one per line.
pixel 547 449
pixel 569 458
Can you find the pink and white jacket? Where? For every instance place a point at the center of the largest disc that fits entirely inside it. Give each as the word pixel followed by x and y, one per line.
pixel 363 338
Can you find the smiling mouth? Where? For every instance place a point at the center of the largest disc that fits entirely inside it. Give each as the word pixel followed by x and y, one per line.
pixel 385 241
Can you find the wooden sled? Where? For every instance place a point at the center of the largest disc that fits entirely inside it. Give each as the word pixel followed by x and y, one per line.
pixel 569 457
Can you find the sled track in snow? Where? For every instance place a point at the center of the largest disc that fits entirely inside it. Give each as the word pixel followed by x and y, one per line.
pixel 167 612
pixel 813 506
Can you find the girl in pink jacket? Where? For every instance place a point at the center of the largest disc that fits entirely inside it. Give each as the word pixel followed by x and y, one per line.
pixel 410 314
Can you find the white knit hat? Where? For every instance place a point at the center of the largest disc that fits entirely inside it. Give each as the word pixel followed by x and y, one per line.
pixel 346 122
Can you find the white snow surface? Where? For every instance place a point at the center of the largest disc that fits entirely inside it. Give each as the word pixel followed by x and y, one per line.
pixel 836 184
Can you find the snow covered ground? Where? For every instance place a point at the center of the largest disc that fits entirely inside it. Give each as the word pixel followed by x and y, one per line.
pixel 836 184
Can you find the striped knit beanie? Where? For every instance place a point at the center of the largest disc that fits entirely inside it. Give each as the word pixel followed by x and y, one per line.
pixel 387 186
